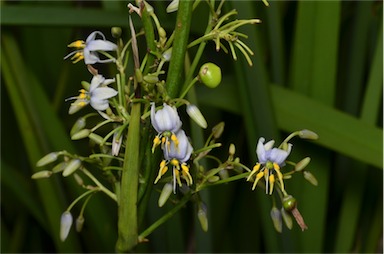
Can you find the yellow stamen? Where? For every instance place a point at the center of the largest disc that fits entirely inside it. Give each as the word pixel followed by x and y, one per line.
pixel 258 176
pixel 271 182
pixel 162 171
pixel 175 140
pixel 156 142
pixel 175 162
pixel 255 169
pixel 177 174
pixel 77 44
pixel 279 175
pixel 185 172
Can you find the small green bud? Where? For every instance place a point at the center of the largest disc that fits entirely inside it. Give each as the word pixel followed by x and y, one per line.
pixel 302 164
pixel 96 138
pixel 276 219
pixel 42 174
pixel 72 166
pixel 60 167
pixel 162 32
pixel 307 134
pixel 196 115
pixel 210 75
pixel 165 193
pixel 84 133
pixel 202 216
pixel 167 54
pixel 310 178
pixel 289 203
pixel 223 174
pixel 218 129
pixel 86 85
pixel 79 223
pixel 65 225
pixel 232 149
pixel 78 179
pixel 151 78
pixel 213 179
pixel 139 75
pixel 51 157
pixel 287 218
pixel 116 32
pixel 78 126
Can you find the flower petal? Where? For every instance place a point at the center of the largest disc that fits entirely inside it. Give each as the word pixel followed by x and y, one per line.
pixel 103 93
pixel 260 151
pixel 278 156
pixel 90 57
pixel 101 45
pixel 96 81
pixel 100 105
pixel 92 36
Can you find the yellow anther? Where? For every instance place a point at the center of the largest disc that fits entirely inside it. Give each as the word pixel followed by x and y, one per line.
pixel 77 44
pixel 177 175
pixel 280 176
pixel 175 162
pixel 164 170
pixel 163 139
pixel 162 164
pixel 254 170
pixel 258 176
pixel 175 140
pixel 271 182
pixel 186 175
pixel 276 166
pixel 77 57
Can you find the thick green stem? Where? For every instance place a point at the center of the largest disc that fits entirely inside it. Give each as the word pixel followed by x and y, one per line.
pixel 127 225
pixel 179 47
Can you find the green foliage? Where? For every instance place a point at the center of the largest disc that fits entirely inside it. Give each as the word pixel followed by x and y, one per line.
pixel 316 65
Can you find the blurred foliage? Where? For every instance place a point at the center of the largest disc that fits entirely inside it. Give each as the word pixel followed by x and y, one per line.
pixel 317 65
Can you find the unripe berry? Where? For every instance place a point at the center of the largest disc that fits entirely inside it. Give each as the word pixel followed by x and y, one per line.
pixel 210 75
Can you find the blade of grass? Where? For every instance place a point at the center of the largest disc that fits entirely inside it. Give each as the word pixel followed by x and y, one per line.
pixel 52 203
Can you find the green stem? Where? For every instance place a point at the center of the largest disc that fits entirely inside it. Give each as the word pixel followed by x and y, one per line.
pixel 127 224
pixel 101 187
pixel 176 64
pixel 167 216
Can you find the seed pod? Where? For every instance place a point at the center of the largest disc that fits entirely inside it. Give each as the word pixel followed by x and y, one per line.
pixel 289 203
pixel 210 75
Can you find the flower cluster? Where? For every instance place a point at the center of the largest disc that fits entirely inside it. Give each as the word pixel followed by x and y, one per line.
pixel 174 142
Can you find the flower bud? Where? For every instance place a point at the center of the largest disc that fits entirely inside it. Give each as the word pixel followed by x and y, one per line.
pixel 310 178
pixel 78 126
pixel 276 219
pixel 59 167
pixel 79 223
pixel 287 218
pixel 195 114
pixel 65 225
pixel 173 6
pixel 218 129
pixel 116 32
pixel 289 203
pixel 84 133
pixel 78 179
pixel 72 166
pixel 96 138
pixel 42 174
pixel 232 149
pixel 116 143
pixel 302 164
pixel 213 179
pixel 165 193
pixel 162 32
pixel 151 78
pixel 202 216
pixel 51 157
pixel 167 54
pixel 307 134
pixel 210 75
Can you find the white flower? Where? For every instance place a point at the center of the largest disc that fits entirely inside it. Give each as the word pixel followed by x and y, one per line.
pixel 88 50
pixel 97 95
pixel 196 115
pixel 177 155
pixel 166 122
pixel 272 159
pixel 65 225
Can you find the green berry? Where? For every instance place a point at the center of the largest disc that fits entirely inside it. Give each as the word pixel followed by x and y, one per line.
pixel 289 203
pixel 210 75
